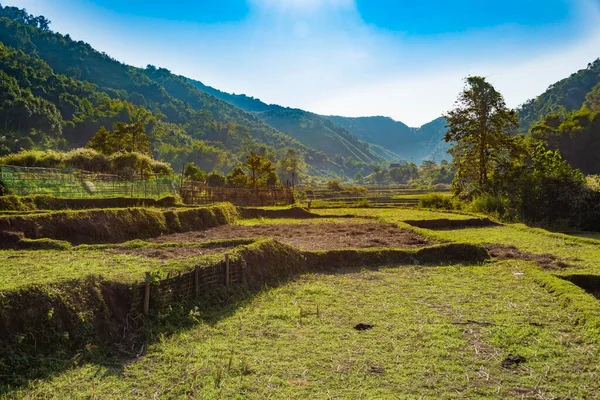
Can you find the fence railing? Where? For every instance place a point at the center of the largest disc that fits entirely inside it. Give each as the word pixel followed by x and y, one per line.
pixel 185 286
pixel 201 193
pixel 74 183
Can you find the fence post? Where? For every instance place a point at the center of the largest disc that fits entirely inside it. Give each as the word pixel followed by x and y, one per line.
pixel 147 294
pixel 227 270
pixel 196 281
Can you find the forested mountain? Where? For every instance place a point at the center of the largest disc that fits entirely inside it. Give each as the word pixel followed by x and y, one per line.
pixel 567 118
pixel 308 128
pixel 57 92
pixel 566 95
pixel 426 142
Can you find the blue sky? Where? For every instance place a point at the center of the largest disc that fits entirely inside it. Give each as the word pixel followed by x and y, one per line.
pixel 403 59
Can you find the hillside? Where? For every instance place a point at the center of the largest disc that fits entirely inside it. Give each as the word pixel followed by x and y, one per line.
pixel 568 94
pixel 76 89
pixel 426 142
pixel 308 128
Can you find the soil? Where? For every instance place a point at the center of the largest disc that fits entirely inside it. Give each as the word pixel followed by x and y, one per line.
pixel 513 360
pixel 322 236
pixel 444 223
pixel 545 261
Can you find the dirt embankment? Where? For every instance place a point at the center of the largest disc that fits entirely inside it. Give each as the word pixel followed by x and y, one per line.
pixel 321 236
pixel 444 223
pixel 545 261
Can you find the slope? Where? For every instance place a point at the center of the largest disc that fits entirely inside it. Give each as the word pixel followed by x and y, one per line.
pixel 416 144
pixel 565 95
pixel 308 128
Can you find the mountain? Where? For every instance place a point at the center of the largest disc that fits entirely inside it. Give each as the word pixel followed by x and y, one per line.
pixel 416 144
pixel 78 89
pixel 308 128
pixel 567 118
pixel 361 138
pixel 566 95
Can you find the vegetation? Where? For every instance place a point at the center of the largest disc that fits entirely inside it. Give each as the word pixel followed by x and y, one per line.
pixel 478 128
pixel 229 350
pixel 510 177
pixel 566 95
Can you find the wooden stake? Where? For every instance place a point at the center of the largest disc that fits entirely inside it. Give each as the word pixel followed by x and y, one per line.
pixel 196 281
pixel 226 269
pixel 147 294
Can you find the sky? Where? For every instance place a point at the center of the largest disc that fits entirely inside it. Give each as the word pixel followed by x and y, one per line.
pixel 403 59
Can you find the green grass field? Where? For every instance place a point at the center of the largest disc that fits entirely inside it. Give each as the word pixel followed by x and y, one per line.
pixel 437 333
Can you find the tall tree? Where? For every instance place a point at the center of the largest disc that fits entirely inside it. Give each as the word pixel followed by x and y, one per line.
pixel 261 168
pixel 479 127
pixel 291 167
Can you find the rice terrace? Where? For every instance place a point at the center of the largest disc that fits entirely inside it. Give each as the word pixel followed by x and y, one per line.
pixel 163 239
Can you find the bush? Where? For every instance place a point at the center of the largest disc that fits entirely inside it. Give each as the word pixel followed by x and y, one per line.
pixel 364 203
pixel 334 184
pixel 89 160
pixel 437 201
pixel 489 204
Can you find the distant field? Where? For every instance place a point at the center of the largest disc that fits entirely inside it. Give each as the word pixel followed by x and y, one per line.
pixel 435 331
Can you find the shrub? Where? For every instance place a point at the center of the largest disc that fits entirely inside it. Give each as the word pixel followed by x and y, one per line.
pixel 35 158
pixel 489 204
pixel 334 184
pixel 215 180
pixel 88 160
pixel 437 201
pixel 364 203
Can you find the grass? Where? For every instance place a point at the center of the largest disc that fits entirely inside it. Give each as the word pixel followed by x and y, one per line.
pixel 22 268
pixel 292 221
pixel 396 214
pixel 27 267
pixel 438 332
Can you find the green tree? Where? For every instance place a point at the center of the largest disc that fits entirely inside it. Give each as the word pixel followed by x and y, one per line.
pixel 102 142
pixel 238 178
pixel 193 172
pixel 479 128
pixel 260 168
pixel 291 167
pixel 215 179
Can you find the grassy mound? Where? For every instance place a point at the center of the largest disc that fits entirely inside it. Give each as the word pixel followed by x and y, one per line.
pixel 294 212
pixel 444 223
pixel 117 225
pixel 45 202
pixel 40 324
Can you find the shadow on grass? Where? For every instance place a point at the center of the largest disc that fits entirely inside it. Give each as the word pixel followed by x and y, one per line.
pixel 589 283
pixel 270 264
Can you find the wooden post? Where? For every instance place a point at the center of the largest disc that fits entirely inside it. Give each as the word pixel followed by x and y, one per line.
pixel 227 281
pixel 147 294
pixel 196 281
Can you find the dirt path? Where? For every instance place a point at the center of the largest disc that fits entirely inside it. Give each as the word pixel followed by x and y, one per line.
pixel 322 236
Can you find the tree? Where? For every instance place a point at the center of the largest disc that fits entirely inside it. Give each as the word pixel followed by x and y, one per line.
pixel 215 179
pixel 479 127
pixel 194 173
pixel 237 178
pixel 260 169
pixel 102 141
pixel 124 137
pixel 291 167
